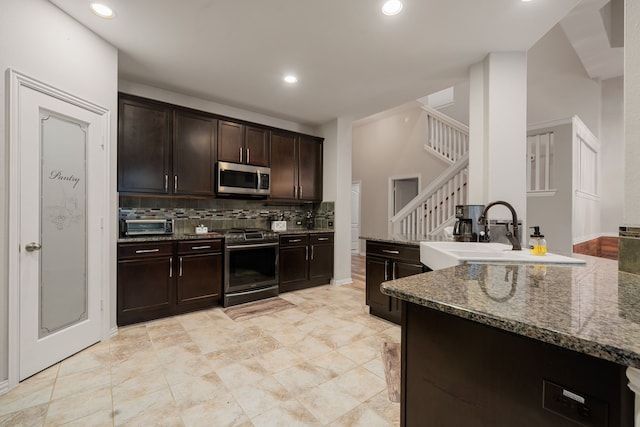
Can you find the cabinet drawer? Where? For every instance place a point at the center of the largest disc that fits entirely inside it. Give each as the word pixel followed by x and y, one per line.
pixel 320 238
pixel 140 250
pixel 199 246
pixel 294 240
pixel 388 250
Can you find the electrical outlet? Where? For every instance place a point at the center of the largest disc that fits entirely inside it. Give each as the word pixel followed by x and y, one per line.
pixel 298 222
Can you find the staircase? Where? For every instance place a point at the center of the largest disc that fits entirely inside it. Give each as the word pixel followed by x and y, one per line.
pixel 434 207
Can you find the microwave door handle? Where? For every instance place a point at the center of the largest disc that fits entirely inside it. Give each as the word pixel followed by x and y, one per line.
pixel 259 179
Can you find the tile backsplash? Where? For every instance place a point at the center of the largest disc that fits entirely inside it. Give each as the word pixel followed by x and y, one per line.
pixel 222 214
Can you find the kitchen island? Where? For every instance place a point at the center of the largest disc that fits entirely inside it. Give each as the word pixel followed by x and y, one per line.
pixel 526 345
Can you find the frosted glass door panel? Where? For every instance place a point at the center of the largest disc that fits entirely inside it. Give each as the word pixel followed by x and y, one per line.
pixel 63 232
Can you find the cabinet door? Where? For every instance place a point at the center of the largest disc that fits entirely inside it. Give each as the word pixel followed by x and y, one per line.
pixel 144 289
pixel 321 262
pixel 230 142
pixel 292 266
pixel 193 154
pixel 284 182
pixel 144 136
pixel 199 278
pixel 257 146
pixel 400 270
pixel 310 169
pixel 377 272
pixel 404 269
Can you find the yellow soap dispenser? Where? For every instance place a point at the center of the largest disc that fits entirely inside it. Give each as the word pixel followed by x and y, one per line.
pixel 537 244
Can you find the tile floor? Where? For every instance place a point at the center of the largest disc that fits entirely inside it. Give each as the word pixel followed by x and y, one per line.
pixel 315 364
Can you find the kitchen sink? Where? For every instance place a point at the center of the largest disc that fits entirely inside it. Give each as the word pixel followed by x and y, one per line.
pixel 439 255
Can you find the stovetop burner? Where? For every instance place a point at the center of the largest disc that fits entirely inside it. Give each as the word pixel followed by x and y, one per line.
pixel 250 234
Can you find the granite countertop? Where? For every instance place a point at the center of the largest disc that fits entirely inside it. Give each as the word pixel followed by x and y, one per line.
pixel 212 235
pixel 406 239
pixel 592 309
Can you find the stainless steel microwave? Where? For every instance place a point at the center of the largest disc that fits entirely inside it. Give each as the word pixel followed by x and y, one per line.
pixel 143 227
pixel 235 178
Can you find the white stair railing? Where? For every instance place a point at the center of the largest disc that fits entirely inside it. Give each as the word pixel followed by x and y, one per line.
pixel 435 206
pixel 447 138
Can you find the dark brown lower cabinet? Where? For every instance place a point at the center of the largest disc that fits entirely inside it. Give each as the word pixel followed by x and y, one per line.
pixel 305 260
pixel 199 281
pixel 387 261
pixel 457 372
pixel 159 279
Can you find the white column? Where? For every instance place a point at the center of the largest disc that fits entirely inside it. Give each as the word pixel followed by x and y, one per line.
pixel 632 142
pixel 337 188
pixel 634 384
pixel 498 133
pixel 631 214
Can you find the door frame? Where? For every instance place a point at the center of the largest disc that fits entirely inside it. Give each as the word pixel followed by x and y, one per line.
pixel 390 201
pixel 16 81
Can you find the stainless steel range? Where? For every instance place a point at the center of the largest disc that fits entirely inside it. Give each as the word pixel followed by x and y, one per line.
pixel 250 265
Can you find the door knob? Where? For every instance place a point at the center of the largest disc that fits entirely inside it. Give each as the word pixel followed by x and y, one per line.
pixel 33 246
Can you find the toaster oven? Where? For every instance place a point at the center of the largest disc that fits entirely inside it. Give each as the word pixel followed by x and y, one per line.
pixel 144 227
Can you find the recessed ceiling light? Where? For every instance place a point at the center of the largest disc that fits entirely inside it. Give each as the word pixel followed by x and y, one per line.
pixel 103 11
pixel 392 7
pixel 290 78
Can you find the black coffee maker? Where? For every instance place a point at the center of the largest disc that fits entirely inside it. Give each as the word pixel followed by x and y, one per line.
pixel 466 228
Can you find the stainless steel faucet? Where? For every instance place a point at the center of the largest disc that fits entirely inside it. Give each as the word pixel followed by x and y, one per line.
pixel 514 237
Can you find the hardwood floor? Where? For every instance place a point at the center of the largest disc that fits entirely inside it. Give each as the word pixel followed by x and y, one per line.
pixel 358 271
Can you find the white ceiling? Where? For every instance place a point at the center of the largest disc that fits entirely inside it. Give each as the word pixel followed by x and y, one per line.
pixel 586 32
pixel 351 60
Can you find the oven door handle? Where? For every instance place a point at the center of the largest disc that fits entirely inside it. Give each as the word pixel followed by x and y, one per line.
pixel 253 246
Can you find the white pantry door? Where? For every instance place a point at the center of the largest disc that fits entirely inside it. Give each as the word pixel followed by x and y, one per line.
pixel 61 192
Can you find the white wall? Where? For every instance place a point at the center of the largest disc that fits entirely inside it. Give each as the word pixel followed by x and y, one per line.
pixel 554 213
pixel 39 40
pixel 391 145
pixel 612 151
pixel 558 86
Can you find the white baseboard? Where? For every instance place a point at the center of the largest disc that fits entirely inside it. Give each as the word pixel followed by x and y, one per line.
pixel 4 387
pixel 114 332
pixel 341 282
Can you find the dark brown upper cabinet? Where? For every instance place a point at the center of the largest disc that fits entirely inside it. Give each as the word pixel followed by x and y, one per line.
pixel 238 143
pixel 144 146
pixel 164 150
pixel 296 167
pixel 193 154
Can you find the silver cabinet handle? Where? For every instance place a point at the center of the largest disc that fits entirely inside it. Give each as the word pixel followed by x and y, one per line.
pixel 306 255
pixel 295 240
pixel 393 271
pixel 170 267
pixel 147 251
pixel 311 252
pixel 180 273
pixel 300 192
pixel 175 183
pixel 248 156
pixel 390 252
pixel 322 239
pixel 201 247
pixel 295 191
pixel 240 154
pixel 33 246
pixel 166 182
pixel 386 270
